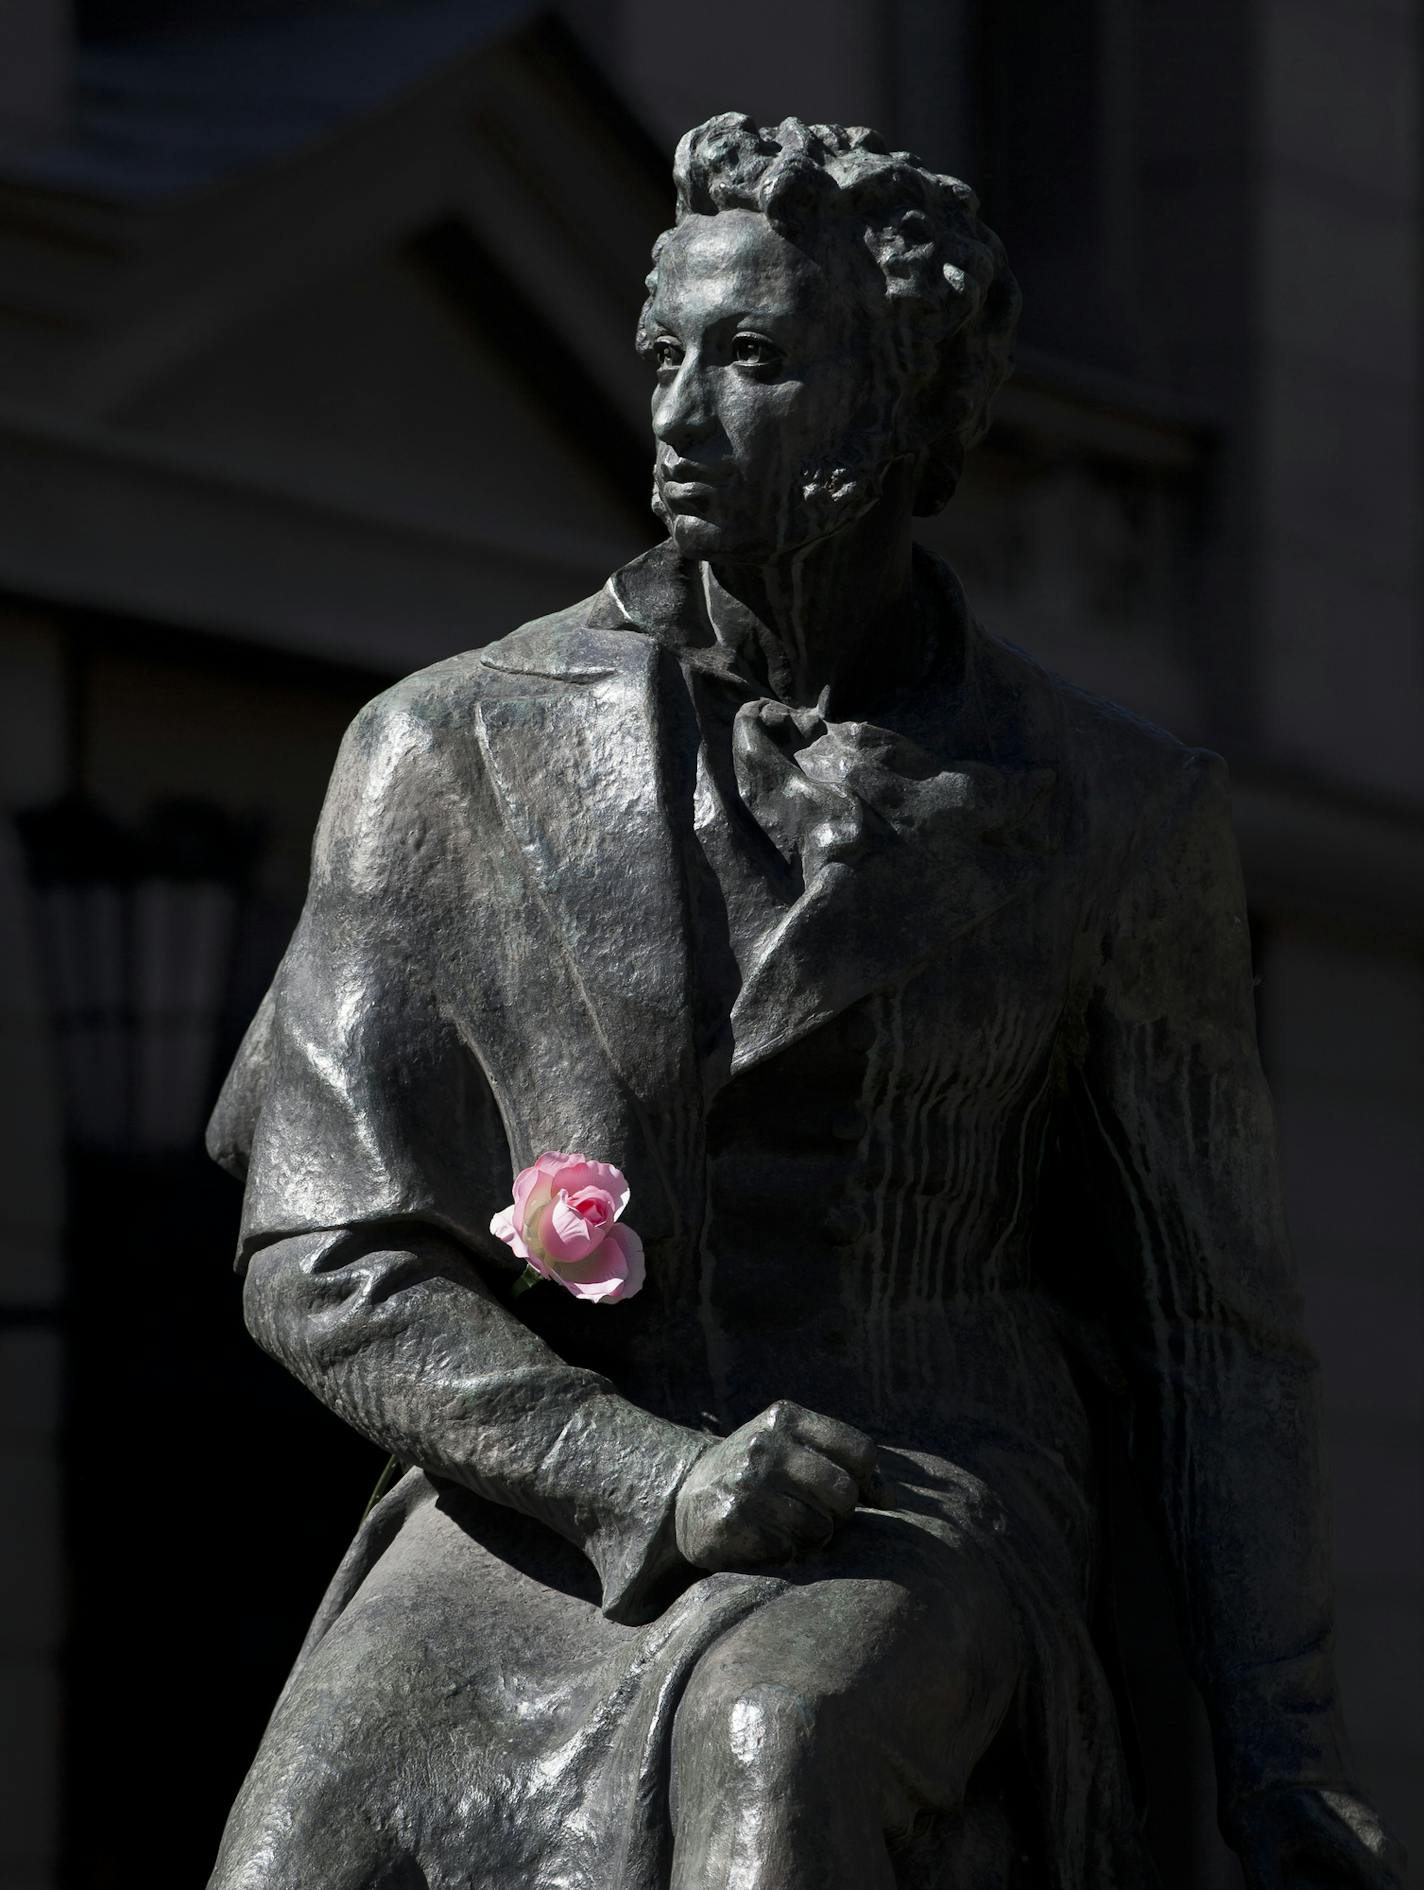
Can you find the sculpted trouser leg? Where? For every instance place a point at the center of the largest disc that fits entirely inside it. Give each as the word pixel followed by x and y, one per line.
pixel 812 1733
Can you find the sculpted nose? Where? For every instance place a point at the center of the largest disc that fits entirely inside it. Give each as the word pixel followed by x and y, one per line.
pixel 682 412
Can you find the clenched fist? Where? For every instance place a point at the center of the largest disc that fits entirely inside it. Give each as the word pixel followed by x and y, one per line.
pixel 774 1489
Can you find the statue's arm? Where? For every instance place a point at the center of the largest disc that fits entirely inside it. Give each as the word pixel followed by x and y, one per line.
pixel 397 1332
pixel 375 1154
pixel 1176 1140
pixel 378 1154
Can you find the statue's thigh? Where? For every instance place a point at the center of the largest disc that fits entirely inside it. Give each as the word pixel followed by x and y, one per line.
pixel 887 1665
pixel 394 1739
pixel 315 1808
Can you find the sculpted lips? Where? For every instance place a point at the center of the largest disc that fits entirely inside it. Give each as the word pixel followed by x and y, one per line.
pixel 687 478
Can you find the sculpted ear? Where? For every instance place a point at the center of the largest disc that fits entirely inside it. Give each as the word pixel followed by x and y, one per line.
pixel 941 410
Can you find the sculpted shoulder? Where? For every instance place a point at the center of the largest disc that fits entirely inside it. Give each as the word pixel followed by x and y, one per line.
pixel 414 750
pixel 567 646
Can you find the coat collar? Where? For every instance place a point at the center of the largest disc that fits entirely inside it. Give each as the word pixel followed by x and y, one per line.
pixel 593 799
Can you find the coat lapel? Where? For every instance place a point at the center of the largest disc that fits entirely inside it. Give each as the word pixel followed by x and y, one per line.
pixel 573 749
pixel 922 881
pixel 868 922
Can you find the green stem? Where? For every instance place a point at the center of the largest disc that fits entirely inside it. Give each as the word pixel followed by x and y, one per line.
pixel 383 1483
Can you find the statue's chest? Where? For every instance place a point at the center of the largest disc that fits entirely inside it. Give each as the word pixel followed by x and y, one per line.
pixel 900 1141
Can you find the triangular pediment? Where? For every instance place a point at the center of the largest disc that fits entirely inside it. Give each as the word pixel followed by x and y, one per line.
pixel 390 368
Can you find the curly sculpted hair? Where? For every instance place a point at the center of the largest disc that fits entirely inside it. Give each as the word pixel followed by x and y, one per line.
pixel 945 285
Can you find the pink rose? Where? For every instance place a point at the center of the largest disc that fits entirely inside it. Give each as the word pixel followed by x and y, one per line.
pixel 564 1222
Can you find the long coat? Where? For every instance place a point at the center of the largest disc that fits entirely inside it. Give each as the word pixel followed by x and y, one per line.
pixel 984 1117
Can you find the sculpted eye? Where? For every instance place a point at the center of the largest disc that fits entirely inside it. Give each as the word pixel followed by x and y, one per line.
pixel 755 351
pixel 666 353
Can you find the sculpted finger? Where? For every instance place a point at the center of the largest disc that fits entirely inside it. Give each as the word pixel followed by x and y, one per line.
pixel 773 1527
pixel 880 1492
pixel 820 1481
pixel 796 1526
pixel 842 1443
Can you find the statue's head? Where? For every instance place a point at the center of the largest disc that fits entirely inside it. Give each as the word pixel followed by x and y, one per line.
pixel 822 310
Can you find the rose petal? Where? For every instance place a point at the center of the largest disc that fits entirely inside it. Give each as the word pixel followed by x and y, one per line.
pixel 578 1174
pixel 634 1270
pixel 614 1182
pixel 537 1179
pixel 595 1206
pixel 601 1289
pixel 603 1276
pixel 503 1228
pixel 615 1272
pixel 565 1236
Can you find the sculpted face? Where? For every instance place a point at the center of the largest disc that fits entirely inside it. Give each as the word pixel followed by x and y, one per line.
pixel 762 364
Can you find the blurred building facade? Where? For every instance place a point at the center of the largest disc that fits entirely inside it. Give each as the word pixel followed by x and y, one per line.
pixel 316 365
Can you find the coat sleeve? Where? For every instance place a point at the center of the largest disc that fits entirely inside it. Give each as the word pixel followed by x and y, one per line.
pixel 1173 1128
pixel 375 1154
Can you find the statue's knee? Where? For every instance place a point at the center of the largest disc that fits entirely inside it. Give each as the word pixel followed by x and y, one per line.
pixel 760 1726
pixel 308 1802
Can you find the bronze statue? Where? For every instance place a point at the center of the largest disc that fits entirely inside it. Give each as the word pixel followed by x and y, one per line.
pixel 909 989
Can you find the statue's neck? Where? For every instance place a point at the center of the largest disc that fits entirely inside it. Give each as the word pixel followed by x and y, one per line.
pixel 822 625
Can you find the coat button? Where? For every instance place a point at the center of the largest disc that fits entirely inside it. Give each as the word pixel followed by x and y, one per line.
pixel 858 1030
pixel 847 1125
